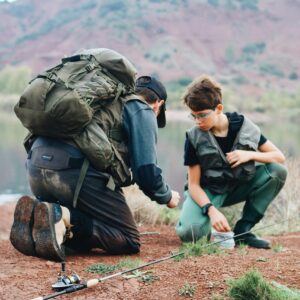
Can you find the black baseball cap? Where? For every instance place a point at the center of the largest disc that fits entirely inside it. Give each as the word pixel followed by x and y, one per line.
pixel 158 88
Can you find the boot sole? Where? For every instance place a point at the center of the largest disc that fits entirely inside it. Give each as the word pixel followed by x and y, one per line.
pixel 44 233
pixel 21 230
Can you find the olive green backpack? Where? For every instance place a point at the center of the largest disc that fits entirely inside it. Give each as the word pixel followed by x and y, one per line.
pixel 61 101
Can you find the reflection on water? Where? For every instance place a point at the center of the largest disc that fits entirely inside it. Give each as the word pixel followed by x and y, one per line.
pixel 4 198
pixel 12 157
pixel 170 151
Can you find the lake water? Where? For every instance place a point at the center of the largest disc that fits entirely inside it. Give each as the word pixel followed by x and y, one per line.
pixel 170 151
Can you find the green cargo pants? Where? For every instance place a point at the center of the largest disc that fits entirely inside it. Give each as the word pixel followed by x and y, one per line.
pixel 258 193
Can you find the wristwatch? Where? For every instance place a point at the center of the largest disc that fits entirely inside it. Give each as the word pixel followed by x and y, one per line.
pixel 205 208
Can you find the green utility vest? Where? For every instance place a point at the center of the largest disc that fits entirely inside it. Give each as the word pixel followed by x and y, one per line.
pixel 81 102
pixel 216 173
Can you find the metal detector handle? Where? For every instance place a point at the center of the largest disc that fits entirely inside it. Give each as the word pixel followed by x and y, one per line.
pixel 92 282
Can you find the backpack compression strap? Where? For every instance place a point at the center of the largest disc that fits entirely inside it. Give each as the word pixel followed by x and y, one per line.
pixel 110 184
pixel 121 88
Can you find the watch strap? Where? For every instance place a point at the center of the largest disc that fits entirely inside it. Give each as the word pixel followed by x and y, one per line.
pixel 205 208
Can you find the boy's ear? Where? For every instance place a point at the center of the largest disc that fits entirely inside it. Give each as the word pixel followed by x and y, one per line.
pixel 161 102
pixel 219 108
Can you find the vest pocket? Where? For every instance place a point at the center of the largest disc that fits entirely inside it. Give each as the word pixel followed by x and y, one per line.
pixel 245 171
pixel 214 176
pixel 210 158
pixel 217 180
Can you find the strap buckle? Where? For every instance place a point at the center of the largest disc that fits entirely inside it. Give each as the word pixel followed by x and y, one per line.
pixel 90 67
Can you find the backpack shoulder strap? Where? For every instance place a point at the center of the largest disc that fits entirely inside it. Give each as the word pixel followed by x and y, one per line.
pixel 134 97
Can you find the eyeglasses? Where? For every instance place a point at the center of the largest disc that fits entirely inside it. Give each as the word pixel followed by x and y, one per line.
pixel 201 115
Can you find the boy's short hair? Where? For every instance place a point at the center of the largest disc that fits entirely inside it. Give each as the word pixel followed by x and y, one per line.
pixel 203 93
pixel 149 95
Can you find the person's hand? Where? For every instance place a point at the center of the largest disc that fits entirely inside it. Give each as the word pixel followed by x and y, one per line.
pixel 174 200
pixel 238 157
pixel 218 220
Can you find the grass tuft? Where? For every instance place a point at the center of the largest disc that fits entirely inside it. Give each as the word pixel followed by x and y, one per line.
pixel 129 263
pixel 217 297
pixel 148 277
pixel 277 248
pixel 126 263
pixel 187 290
pixel 242 248
pixel 142 276
pixel 198 248
pixel 102 268
pixel 252 286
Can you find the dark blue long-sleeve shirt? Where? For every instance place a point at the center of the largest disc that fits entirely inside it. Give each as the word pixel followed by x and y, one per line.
pixel 140 125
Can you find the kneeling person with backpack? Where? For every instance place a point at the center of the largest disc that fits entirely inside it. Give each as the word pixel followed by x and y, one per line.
pixel 93 130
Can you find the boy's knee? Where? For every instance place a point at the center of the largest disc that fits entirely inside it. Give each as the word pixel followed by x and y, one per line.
pixel 277 171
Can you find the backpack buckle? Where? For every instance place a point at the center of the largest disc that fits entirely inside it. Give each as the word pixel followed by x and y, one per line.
pixel 90 67
pixel 52 77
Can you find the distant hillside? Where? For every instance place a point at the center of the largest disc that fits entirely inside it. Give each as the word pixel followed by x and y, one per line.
pixel 251 44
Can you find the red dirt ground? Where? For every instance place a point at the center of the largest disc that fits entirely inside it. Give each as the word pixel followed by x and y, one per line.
pixel 24 277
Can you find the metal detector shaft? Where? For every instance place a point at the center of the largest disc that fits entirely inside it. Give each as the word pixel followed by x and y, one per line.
pixel 93 282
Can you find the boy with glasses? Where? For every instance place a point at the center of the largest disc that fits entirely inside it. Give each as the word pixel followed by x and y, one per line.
pixel 229 161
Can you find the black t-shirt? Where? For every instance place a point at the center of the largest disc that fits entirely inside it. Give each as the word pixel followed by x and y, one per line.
pixel 225 143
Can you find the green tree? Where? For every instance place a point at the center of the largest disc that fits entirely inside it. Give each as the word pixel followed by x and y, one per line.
pixel 229 54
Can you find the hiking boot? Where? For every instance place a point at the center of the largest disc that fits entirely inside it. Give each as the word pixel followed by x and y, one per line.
pixel 249 219
pixel 21 230
pixel 50 230
pixel 253 241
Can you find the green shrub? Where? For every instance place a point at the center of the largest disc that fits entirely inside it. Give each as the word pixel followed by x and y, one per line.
pixel 293 76
pixel 240 80
pixel 229 55
pixel 271 69
pixel 249 4
pixel 113 6
pixel 214 3
pixel 13 80
pixel 255 48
